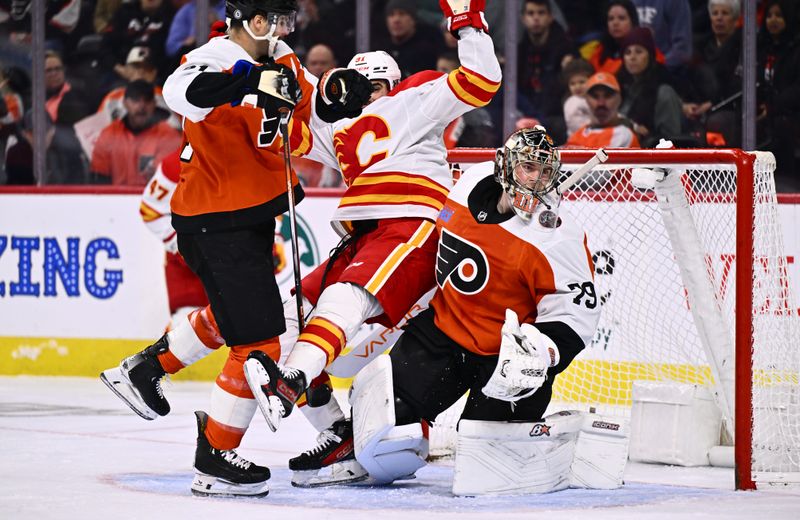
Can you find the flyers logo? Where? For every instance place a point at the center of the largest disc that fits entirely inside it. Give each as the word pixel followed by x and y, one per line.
pixel 461 263
pixel 346 143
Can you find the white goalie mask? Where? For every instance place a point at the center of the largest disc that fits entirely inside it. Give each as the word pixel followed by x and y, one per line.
pixel 527 166
pixel 376 65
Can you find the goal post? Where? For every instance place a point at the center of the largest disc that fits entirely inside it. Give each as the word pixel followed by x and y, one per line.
pixel 693 282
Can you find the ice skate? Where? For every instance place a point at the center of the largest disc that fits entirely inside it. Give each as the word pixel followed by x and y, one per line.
pixel 224 472
pixel 137 381
pixel 275 388
pixel 334 452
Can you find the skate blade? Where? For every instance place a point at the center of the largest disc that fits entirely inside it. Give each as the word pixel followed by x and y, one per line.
pixel 118 383
pixel 311 479
pixel 208 486
pixel 257 379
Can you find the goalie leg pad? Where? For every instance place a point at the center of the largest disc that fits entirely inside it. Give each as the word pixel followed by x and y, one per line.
pixel 503 458
pixel 387 452
pixel 601 453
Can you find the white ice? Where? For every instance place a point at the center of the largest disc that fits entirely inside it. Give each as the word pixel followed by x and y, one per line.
pixel 70 449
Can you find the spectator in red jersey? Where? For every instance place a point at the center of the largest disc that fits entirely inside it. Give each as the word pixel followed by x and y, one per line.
pixel 608 128
pixel 128 150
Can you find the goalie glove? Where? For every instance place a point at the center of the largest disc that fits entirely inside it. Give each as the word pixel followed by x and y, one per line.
pixel 343 93
pixel 464 13
pixel 274 85
pixel 525 355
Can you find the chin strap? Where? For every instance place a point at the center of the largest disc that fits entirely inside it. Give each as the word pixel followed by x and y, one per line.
pixel 273 40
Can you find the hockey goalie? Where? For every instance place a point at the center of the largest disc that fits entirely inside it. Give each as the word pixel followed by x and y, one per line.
pixel 515 304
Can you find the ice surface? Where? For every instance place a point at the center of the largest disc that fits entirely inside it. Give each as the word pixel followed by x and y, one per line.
pixel 70 449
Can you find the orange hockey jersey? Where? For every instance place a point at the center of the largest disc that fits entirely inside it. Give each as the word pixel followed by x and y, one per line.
pixel 233 161
pixel 487 262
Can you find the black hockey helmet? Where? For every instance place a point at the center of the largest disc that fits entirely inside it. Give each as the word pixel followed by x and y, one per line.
pixel 246 9
pixel 529 152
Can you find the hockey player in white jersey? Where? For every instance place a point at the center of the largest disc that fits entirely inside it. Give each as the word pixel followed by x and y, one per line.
pixel 515 304
pixel 394 164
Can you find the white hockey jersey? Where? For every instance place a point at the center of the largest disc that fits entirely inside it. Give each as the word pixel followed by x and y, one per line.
pixel 392 157
pixel 482 268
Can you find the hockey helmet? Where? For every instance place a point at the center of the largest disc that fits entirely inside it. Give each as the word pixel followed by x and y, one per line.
pixel 527 167
pixel 279 13
pixel 376 65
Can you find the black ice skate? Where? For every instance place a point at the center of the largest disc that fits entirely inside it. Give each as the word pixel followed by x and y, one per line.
pixel 224 472
pixel 274 387
pixel 334 450
pixel 137 381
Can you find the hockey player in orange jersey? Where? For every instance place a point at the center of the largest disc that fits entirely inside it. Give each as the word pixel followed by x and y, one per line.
pixel 235 93
pixel 394 164
pixel 515 303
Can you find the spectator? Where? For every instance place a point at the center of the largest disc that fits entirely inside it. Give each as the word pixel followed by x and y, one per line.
pixel 716 76
pixel 181 38
pixel 320 59
pixel 671 22
pixel 103 13
pixel 138 67
pixel 140 23
pixel 779 93
pixel 648 100
pixel 11 110
pixel 621 17
pixel 413 45
pixel 128 150
pixel 576 74
pixel 544 48
pixel 607 128
pixel 65 106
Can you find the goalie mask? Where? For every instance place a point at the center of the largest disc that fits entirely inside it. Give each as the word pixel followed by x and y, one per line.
pixel 527 167
pixel 280 15
pixel 376 65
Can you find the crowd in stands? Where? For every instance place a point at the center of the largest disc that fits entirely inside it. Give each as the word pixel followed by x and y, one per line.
pixel 613 73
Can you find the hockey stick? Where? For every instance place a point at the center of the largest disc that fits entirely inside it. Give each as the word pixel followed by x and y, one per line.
pixel 287 161
pixel 599 157
pixel 375 344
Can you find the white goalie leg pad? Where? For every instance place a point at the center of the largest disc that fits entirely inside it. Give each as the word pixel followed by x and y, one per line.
pixel 601 452
pixel 503 458
pixel 386 451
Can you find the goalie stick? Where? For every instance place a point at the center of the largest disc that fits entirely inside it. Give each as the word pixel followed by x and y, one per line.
pixel 599 157
pixel 381 339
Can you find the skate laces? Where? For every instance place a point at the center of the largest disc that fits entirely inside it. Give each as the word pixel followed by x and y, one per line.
pixel 234 459
pixel 289 372
pixel 324 439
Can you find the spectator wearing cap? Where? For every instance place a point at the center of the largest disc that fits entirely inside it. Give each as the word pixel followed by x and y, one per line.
pixel 138 67
pixel 671 23
pixel 127 150
pixel 413 44
pixel 649 102
pixel 608 128
pixel 140 23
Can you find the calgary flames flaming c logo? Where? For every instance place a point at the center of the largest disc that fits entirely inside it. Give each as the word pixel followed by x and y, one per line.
pixel 347 141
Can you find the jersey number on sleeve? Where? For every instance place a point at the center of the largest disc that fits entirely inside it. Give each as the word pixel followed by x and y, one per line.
pixel 586 291
pixel 269 128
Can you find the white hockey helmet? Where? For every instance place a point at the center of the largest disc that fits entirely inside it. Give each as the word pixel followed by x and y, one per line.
pixel 376 65
pixel 525 151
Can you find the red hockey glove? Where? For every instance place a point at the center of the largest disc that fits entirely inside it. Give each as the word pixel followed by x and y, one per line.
pixel 464 13
pixel 218 28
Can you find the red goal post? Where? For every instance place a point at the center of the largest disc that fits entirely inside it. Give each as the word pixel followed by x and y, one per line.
pixel 714 184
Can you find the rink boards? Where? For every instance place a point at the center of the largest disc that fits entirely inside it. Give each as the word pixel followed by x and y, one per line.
pixel 82 283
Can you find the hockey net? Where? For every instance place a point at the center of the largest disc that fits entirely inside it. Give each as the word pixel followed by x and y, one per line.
pixel 670 277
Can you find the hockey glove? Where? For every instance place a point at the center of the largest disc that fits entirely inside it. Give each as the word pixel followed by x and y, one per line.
pixel 341 94
pixel 464 13
pixel 273 85
pixel 218 28
pixel 525 355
